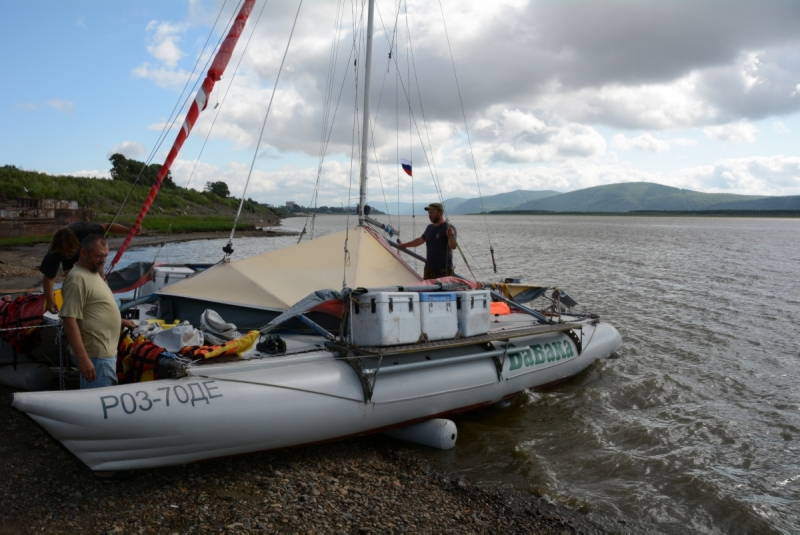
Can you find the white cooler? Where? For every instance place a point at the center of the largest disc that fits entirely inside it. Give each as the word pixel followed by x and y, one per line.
pixel 164 276
pixel 473 312
pixel 385 318
pixel 438 315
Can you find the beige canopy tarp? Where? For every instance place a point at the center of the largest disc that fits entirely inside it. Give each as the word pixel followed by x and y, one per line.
pixel 278 279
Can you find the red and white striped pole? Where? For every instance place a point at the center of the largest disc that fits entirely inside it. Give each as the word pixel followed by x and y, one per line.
pixel 199 104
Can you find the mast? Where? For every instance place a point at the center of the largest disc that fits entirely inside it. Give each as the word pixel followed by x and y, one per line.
pixel 362 192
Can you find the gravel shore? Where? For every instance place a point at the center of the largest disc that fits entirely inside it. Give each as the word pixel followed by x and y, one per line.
pixel 366 485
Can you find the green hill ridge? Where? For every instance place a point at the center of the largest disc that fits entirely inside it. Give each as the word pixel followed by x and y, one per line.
pixel 175 209
pixel 499 201
pixel 632 196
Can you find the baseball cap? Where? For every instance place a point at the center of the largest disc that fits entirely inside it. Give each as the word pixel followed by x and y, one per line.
pixel 436 205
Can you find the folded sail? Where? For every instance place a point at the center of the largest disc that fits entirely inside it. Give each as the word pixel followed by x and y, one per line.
pixel 278 279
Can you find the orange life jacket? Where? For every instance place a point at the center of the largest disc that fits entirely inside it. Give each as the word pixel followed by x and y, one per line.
pixel 137 360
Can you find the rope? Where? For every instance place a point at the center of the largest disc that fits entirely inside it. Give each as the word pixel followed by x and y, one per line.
pixel 9 329
pixel 375 150
pixel 464 258
pixel 61 360
pixel 174 114
pixel 353 136
pixel 284 387
pixel 410 132
pixel 228 249
pixel 394 29
pixel 397 147
pixel 469 137
pixel 328 121
pixel 428 159
pixel 427 150
pixel 225 96
pixel 378 107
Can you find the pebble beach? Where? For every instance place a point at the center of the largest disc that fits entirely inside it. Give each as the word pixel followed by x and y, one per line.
pixel 362 485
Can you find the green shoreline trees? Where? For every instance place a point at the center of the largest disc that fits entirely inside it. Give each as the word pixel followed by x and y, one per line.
pixel 176 209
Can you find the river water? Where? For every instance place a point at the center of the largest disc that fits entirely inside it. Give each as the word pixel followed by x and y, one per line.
pixel 695 424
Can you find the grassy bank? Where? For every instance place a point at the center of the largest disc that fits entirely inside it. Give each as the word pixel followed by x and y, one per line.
pixel 25 240
pixel 153 225
pixel 104 197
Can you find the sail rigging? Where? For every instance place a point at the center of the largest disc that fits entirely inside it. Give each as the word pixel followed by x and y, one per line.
pixel 368 122
pixel 228 248
pixel 215 72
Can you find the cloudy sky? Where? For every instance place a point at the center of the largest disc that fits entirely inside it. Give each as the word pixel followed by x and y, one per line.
pixel 557 94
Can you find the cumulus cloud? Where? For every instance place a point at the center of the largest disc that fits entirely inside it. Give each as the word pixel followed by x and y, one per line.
pixel 738 132
pixel 780 127
pixel 271 186
pixel 630 65
pixel 129 149
pixel 522 136
pixel 667 64
pixel 27 106
pixel 778 175
pixel 90 173
pixel 657 106
pixel 647 142
pixel 163 42
pixel 755 85
pixel 163 77
pixel 638 66
pixel 768 175
pixel 57 104
pixel 540 83
pixel 61 105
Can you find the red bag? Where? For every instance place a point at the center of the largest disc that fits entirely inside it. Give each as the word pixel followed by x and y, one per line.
pixel 24 311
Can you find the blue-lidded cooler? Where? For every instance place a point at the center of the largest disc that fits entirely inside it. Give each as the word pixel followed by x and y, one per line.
pixel 438 316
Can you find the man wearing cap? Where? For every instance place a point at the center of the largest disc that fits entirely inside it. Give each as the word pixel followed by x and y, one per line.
pixel 440 240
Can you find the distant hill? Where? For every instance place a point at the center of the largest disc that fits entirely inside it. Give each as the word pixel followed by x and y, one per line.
pixel 634 196
pixel 449 204
pixel 791 202
pixel 501 201
pixel 465 205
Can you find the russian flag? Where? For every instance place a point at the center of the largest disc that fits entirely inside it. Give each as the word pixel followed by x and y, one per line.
pixel 406 166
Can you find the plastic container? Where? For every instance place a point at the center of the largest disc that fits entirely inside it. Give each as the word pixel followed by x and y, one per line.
pixel 385 318
pixel 164 276
pixel 473 312
pixel 438 315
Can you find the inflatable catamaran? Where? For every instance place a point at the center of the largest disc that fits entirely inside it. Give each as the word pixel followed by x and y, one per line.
pixel 275 350
pixel 406 354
